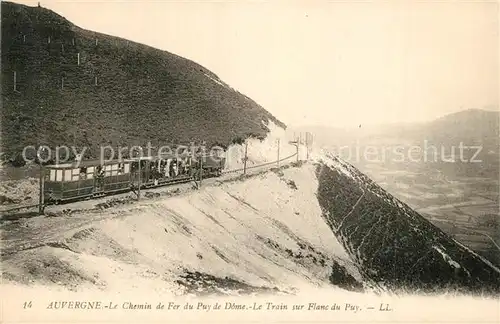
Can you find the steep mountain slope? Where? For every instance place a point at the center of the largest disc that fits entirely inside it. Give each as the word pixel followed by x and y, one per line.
pixel 223 239
pixel 322 224
pixel 82 88
pixel 394 245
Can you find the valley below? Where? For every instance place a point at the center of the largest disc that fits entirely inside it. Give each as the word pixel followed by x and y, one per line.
pixel 465 207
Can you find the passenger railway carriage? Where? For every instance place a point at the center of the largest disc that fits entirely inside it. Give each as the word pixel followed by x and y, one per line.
pixel 77 180
pixel 89 179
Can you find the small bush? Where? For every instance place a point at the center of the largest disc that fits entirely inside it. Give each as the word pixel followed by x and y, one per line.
pixel 292 184
pixel 238 140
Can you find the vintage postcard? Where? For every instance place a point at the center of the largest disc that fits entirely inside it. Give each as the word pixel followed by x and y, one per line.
pixel 249 161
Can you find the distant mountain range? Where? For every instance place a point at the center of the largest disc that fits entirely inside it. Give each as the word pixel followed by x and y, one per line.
pixel 471 127
pixel 63 85
pixel 476 129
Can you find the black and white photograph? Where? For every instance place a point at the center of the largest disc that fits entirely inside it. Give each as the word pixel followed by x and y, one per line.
pixel 250 161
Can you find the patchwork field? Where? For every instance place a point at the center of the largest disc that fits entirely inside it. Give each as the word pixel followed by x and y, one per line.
pixel 464 207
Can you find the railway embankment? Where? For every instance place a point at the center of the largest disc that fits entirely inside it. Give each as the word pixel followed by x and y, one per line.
pixel 320 224
pixel 261 232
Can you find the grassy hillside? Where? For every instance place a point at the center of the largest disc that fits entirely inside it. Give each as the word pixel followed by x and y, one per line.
pixel 142 93
pixel 396 246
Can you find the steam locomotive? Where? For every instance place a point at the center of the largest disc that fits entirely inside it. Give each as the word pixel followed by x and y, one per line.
pixel 80 180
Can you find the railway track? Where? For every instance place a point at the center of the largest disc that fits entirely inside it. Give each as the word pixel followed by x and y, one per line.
pixel 30 210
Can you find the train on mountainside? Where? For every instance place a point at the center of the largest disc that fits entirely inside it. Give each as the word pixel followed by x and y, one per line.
pixel 80 180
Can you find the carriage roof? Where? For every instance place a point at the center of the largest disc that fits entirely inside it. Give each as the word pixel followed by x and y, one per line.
pixel 90 163
pixel 82 164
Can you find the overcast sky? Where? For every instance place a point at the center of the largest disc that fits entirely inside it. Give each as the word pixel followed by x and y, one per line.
pixel 333 63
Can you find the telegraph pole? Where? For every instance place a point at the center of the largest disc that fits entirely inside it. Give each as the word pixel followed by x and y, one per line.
pixel 139 181
pixel 309 143
pixel 308 135
pixel 245 160
pixel 297 150
pixel 300 138
pixel 201 169
pixel 41 200
pixel 278 161
pixel 41 176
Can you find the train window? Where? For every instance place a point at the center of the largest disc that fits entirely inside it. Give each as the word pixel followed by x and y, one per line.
pixel 115 167
pixel 75 174
pixel 107 170
pixel 90 172
pixel 121 168
pixel 52 175
pixel 126 168
pixel 59 175
pixel 82 175
pixel 67 175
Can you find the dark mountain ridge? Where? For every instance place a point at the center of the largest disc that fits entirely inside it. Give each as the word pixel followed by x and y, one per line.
pixel 77 87
pixel 395 247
